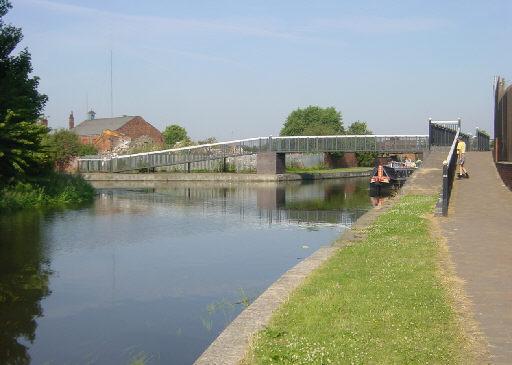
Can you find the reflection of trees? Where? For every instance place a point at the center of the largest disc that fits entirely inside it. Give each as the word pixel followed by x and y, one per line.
pixel 24 275
pixel 337 197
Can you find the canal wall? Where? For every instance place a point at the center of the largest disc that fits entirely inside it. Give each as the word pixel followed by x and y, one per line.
pixel 233 177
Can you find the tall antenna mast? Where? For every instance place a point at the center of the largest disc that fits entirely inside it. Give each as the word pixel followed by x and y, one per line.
pixel 111 89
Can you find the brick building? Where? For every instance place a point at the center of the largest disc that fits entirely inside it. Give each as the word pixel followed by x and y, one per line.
pixel 105 133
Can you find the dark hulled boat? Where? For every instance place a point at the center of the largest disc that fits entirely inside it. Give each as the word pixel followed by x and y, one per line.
pixel 390 177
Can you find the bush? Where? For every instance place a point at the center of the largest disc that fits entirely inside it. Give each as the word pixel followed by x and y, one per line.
pixel 87 149
pixel 61 146
pixel 52 189
pixel 365 159
pixel 174 133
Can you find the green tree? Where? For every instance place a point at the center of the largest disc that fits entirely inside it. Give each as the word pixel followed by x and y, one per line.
pixel 20 106
pixel 20 149
pixel 87 149
pixel 358 128
pixel 174 133
pixel 313 120
pixel 363 158
pixel 61 146
pixel 208 140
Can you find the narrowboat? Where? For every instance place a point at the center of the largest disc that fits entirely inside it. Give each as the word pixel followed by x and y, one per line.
pixel 386 178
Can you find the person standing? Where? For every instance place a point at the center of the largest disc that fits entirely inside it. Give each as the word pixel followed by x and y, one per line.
pixel 461 151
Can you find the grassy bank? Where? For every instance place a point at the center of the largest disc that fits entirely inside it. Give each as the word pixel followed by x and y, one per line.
pixel 292 170
pixel 382 301
pixel 52 189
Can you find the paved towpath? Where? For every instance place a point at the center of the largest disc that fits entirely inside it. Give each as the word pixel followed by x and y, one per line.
pixel 479 233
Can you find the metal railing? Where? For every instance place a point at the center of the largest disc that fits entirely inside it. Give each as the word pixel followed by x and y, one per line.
pixel 443 132
pixel 449 168
pixel 482 140
pixel 187 155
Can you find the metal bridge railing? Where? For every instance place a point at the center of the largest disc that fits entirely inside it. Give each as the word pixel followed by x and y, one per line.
pixel 449 168
pixel 483 140
pixel 352 143
pixel 443 132
pixel 185 155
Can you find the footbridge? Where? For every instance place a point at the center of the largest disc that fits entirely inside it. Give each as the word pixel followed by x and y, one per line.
pixel 271 151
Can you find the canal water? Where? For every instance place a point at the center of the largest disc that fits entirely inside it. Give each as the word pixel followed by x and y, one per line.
pixel 153 273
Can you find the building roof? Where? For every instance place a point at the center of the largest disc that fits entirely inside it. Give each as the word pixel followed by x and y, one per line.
pixel 95 127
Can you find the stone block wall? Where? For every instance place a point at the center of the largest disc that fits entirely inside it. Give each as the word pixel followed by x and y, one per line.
pixel 304 160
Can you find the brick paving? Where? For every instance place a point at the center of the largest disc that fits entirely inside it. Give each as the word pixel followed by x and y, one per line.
pixel 478 230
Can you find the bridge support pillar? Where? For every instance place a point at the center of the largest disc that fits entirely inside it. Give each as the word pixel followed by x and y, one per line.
pixel 270 163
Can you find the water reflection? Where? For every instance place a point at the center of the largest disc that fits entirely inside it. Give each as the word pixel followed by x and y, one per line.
pixel 331 202
pixel 158 270
pixel 24 274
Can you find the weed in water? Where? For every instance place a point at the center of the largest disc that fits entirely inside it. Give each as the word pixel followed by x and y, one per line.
pixel 206 323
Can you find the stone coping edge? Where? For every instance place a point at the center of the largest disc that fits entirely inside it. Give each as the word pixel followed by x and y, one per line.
pixel 221 176
pixel 230 347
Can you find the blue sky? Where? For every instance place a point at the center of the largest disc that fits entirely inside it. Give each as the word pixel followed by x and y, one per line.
pixel 236 69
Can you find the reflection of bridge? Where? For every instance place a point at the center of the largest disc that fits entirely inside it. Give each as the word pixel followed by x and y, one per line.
pixel 303 204
pixel 312 217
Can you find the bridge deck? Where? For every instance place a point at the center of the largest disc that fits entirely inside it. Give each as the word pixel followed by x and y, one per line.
pixel 428 179
pixel 478 229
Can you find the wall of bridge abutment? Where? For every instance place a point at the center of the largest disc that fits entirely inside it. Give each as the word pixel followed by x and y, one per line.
pixel 270 163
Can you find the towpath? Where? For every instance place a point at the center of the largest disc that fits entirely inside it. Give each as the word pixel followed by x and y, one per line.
pixel 478 230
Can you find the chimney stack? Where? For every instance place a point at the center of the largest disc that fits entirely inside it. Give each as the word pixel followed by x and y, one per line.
pixel 71 121
pixel 44 121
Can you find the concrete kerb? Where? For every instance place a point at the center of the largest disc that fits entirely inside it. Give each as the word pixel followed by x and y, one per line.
pixel 232 344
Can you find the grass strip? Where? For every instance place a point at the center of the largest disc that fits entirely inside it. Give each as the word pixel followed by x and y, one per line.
pixel 381 301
